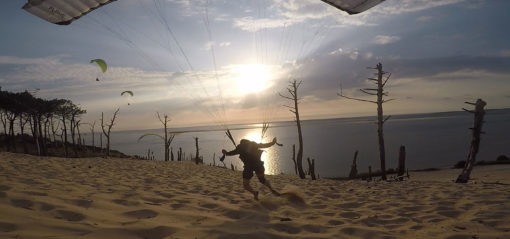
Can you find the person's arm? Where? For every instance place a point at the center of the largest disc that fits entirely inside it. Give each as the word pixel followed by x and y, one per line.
pixel 267 145
pixel 230 153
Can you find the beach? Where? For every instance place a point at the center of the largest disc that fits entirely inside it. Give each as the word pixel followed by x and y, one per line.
pixel 48 197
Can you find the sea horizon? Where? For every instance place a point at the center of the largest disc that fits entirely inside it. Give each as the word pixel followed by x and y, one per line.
pixel 432 140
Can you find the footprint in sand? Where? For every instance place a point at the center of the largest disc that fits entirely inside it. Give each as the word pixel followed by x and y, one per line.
pixel 209 205
pixel 350 215
pixel 7 227
pixel 349 205
pixel 45 207
pixel 69 215
pixel 156 232
pixel 314 228
pixel 33 193
pixel 82 203
pixel 125 202
pixel 22 203
pixel 177 205
pixel 3 194
pixel 335 222
pixel 287 228
pixel 141 214
pixel 4 187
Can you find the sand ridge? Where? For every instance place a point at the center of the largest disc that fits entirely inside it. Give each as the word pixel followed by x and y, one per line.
pixel 119 198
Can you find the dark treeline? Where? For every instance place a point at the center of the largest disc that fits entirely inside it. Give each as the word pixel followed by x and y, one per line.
pixel 29 121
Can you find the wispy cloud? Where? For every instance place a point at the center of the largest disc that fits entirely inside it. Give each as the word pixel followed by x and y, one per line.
pixel 424 18
pixel 384 40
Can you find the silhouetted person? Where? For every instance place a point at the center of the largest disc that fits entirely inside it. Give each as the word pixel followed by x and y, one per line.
pixel 249 152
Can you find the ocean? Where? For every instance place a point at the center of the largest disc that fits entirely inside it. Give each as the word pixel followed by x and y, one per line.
pixel 432 140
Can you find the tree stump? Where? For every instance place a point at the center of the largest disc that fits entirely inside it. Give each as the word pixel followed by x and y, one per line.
pixel 401 163
pixel 479 113
pixel 354 169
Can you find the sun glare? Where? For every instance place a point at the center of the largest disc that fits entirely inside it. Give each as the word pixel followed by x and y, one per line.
pixel 253 78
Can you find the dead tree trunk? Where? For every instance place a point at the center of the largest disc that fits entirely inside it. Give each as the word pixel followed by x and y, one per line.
pixel 197 155
pixel 294 158
pixel 311 168
pixel 479 113
pixel 292 89
pixel 401 163
pixel 354 168
pixel 172 154
pixel 107 132
pixel 369 173
pixel 379 92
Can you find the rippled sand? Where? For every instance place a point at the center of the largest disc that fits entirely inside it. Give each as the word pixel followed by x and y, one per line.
pixel 119 198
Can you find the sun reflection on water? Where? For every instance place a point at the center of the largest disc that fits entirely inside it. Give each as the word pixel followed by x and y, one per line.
pixel 270 155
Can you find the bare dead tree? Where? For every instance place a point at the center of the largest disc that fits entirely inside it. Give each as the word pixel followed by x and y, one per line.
pixel 401 163
pixel 167 137
pixel 354 168
pixel 479 113
pixel 93 134
pixel 294 158
pixel 293 96
pixel 107 132
pixel 197 154
pixel 379 92
pixel 311 168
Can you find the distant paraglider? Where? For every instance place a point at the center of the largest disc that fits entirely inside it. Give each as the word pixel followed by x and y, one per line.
pixel 102 64
pixel 127 92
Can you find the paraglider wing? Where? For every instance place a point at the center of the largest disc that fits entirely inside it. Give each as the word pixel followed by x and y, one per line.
pixel 127 91
pixel 101 63
pixel 63 12
pixel 353 6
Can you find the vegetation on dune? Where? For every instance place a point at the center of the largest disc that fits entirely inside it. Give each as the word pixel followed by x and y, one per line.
pixel 43 127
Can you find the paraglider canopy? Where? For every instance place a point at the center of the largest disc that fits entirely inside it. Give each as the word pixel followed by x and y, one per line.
pixel 127 92
pixel 353 6
pixel 101 63
pixel 63 12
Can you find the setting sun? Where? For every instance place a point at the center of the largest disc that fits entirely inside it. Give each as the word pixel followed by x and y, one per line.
pixel 253 78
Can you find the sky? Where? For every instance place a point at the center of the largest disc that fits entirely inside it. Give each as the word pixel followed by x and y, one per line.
pixel 224 62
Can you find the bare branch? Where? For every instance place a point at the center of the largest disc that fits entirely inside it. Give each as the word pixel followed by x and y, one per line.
pixel 469 103
pixel 286 97
pixel 387 78
pixel 373 79
pixel 347 97
pixel 366 92
pixel 384 101
pixel 387 117
pixel 292 111
pixel 288 106
pixel 371 89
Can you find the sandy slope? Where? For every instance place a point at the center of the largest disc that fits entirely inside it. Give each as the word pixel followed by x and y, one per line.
pixel 115 198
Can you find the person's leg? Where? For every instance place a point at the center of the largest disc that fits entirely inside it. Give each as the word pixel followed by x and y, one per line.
pixel 263 180
pixel 247 175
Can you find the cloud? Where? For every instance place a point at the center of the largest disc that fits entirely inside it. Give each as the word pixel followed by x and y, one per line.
pixel 424 18
pixel 504 53
pixel 251 24
pixel 384 40
pixel 225 44
pixel 407 6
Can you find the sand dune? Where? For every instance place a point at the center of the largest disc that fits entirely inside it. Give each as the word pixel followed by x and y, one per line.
pixel 119 198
